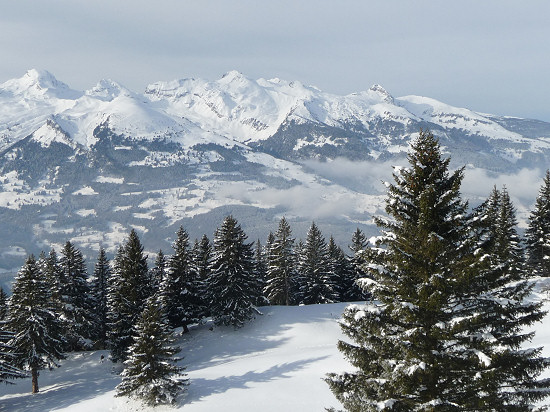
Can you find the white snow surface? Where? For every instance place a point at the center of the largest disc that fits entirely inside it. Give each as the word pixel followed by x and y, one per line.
pixel 275 363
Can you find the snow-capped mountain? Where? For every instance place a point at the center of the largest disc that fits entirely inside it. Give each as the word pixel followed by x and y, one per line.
pixel 88 165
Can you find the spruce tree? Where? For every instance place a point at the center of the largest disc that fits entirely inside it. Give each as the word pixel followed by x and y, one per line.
pixel 314 268
pixel 502 313
pixel 128 290
pixel 78 305
pixel 201 258
pixel 3 304
pixel 158 272
pixel 342 273
pixel 417 342
pixel 8 370
pixel 358 244
pixel 537 235
pixel 281 266
pixel 37 338
pixel 99 289
pixel 260 272
pixel 151 373
pixel 232 286
pixel 181 290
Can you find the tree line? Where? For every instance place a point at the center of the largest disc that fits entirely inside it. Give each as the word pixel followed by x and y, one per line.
pixel 56 307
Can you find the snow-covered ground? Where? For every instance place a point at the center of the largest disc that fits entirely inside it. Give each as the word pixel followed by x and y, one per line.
pixel 275 363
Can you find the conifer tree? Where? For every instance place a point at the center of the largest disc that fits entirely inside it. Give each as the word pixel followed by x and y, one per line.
pixel 3 304
pixel 37 338
pixel 502 313
pixel 417 343
pixel 260 272
pixel 100 290
pixel 158 272
pixel 8 370
pixel 151 373
pixel 78 305
pixel 232 286
pixel 342 273
pixel 201 258
pixel 281 269
pixel 314 268
pixel 358 244
pixel 537 235
pixel 181 289
pixel 128 290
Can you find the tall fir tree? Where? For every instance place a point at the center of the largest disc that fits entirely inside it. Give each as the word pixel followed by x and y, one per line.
pixel 158 272
pixel 128 290
pixel 537 235
pixel 8 370
pixel 37 337
pixel 182 289
pixel 359 243
pixel 502 313
pixel 3 304
pixel 260 272
pixel 151 373
pixel 281 269
pixel 314 269
pixel 201 258
pixel 232 287
pixel 342 273
pixel 78 305
pixel 100 289
pixel 417 343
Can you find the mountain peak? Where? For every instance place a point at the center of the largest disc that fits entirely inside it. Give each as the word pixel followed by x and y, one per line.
pixel 108 89
pixel 383 93
pixel 39 82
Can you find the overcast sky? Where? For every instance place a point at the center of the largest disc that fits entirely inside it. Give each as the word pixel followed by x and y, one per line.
pixel 489 56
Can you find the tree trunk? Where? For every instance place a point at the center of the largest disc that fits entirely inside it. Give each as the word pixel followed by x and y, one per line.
pixel 34 373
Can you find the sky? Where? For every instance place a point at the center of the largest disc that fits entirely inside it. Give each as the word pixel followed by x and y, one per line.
pixel 489 56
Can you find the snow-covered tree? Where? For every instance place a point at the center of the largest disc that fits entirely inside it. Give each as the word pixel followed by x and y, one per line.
pixel 232 286
pixel 8 370
pixel 181 289
pixel 341 272
pixel 78 305
pixel 37 340
pixel 3 304
pixel 151 373
pixel 314 269
pixel 281 266
pixel 502 312
pixel 99 289
pixel 128 290
pixel 537 235
pixel 358 244
pixel 417 343
pixel 260 272
pixel 158 272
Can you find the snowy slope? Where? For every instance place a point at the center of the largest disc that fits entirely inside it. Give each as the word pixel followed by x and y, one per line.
pixel 275 363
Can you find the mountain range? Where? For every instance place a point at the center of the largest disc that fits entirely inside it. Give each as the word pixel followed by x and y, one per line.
pixel 89 165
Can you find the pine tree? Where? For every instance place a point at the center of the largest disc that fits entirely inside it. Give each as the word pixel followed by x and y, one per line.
pixel 201 258
pixel 3 304
pixel 232 286
pixel 78 306
pixel 417 342
pixel 8 370
pixel 358 244
pixel 342 273
pixel 281 269
pixel 538 233
pixel 128 290
pixel 181 291
pixel 158 272
pixel 314 269
pixel 260 272
pixel 99 290
pixel 37 338
pixel 502 313
pixel 151 373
